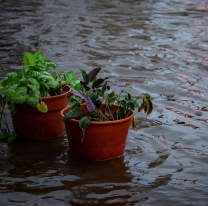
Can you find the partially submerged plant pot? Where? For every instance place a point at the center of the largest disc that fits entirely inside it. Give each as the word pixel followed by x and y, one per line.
pixel 102 140
pixel 31 124
pixel 31 92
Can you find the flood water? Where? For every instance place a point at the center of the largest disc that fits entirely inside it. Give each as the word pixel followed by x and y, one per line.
pixel 159 47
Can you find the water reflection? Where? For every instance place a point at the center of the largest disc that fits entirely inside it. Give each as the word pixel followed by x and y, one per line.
pixel 159 47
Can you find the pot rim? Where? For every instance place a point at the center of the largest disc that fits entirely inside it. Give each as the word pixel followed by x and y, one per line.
pixel 99 123
pixel 58 96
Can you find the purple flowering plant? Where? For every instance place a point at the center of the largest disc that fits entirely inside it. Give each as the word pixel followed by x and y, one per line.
pixel 92 93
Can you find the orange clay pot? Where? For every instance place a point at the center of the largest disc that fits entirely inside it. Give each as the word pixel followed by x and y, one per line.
pixel 102 141
pixel 31 124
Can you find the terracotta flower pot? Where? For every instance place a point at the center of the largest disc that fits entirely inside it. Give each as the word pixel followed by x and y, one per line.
pixel 31 124
pixel 102 141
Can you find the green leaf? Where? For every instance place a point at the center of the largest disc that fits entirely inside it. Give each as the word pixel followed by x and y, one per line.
pixel 21 82
pixel 12 74
pixel 1 90
pixel 11 91
pixel 123 91
pixel 34 82
pixel 74 112
pixel 5 82
pixel 127 96
pixel 33 101
pixel 11 137
pixel 50 64
pixel 78 87
pixel 84 75
pixel 92 97
pixel 19 73
pixel 14 112
pixel 42 107
pixel 130 105
pixel 11 107
pixel 34 93
pixel 134 102
pixel 53 84
pixel 104 88
pixel 23 90
pixel 29 59
pixel 123 103
pixel 32 87
pixel 73 83
pixel 147 96
pixel 84 85
pixel 45 85
pixel 4 136
pixel 68 77
pixel 47 73
pixel 47 77
pixel 98 82
pixel 112 100
pixel 118 114
pixel 25 71
pixel 39 56
pixel 20 97
pixel 84 123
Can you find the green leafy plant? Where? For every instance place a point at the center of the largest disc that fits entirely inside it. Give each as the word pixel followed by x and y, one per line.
pixel 92 93
pixel 31 83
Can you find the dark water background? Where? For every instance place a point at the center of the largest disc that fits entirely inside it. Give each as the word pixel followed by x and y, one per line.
pixel 159 47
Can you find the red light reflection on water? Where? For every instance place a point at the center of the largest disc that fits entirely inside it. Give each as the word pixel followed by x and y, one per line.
pixel 180 113
pixel 203 109
pixel 176 62
pixel 199 22
pixel 183 77
pixel 193 90
pixel 185 124
pixel 180 100
pixel 164 142
pixel 206 121
pixel 183 180
pixel 193 181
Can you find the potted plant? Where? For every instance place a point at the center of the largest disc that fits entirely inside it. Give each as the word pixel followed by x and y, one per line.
pixel 35 98
pixel 97 124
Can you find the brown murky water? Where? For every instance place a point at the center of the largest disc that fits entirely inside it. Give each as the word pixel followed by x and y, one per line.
pixel 159 47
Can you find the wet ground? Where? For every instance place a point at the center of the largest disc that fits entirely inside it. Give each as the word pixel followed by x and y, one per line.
pixel 159 47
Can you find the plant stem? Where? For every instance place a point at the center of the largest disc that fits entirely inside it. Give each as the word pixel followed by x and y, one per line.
pixel 104 117
pixel 23 73
pixel 111 113
pixel 128 112
pixel 3 117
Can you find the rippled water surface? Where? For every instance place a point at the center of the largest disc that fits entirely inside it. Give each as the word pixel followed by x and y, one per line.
pixel 159 47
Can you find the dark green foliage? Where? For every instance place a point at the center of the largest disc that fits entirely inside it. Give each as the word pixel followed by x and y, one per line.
pixel 74 112
pixel 6 136
pixel 93 95
pixel 29 84
pixel 84 123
